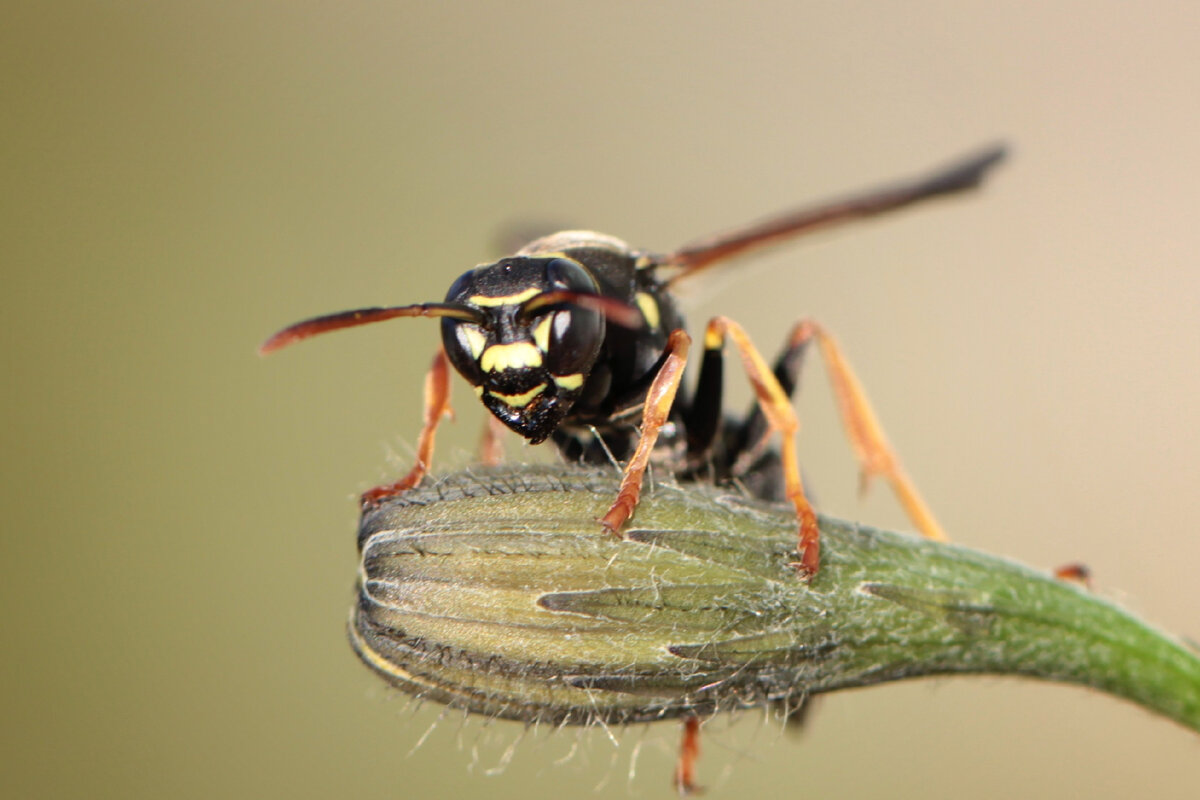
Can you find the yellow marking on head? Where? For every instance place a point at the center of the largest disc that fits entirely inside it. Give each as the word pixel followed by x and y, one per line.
pixel 505 300
pixel 541 334
pixel 476 339
pixel 520 400
pixel 649 308
pixel 569 382
pixel 510 356
pixel 478 390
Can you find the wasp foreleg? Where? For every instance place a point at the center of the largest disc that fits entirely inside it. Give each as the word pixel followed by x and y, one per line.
pixel 437 405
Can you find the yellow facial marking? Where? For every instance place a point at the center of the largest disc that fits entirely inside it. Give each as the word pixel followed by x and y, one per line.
pixel 520 400
pixel 478 391
pixel 541 334
pixel 476 339
pixel 506 300
pixel 569 382
pixel 649 308
pixel 510 356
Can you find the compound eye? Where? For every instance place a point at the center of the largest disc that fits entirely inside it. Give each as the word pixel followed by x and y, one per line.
pixel 575 333
pixel 464 342
pixel 563 273
pixel 575 338
pixel 461 288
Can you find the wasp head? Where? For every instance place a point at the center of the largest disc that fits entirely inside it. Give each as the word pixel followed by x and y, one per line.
pixel 540 327
pixel 525 332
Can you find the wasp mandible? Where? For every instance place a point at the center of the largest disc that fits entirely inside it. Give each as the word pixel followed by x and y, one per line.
pixel 577 338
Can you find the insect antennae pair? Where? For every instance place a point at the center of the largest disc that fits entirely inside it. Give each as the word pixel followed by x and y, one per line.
pixel 614 310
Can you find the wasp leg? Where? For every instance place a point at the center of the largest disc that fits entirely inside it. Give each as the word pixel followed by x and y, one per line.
pixel 491 444
pixel 782 419
pixel 689 751
pixel 437 405
pixel 870 444
pixel 1075 573
pixel 655 411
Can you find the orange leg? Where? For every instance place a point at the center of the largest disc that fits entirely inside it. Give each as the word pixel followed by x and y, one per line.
pixel 689 751
pixel 1075 573
pixel 491 444
pixel 777 408
pixel 866 435
pixel 437 405
pixel 655 411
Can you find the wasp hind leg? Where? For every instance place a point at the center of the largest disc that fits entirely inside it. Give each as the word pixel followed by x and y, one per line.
pixel 870 444
pixel 437 405
pixel 867 438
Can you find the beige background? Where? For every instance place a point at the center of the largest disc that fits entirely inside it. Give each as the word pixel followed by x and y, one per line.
pixel 180 180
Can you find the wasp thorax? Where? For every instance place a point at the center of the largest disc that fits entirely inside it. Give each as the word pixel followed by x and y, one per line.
pixel 530 353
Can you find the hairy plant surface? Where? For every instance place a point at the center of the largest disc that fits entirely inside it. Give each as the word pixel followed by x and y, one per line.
pixel 498 592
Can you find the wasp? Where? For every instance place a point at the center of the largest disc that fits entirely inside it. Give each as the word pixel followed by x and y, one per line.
pixel 577 338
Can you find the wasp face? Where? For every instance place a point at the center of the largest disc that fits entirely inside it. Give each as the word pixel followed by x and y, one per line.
pixel 527 357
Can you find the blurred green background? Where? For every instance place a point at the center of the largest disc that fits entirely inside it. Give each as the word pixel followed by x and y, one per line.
pixel 181 180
